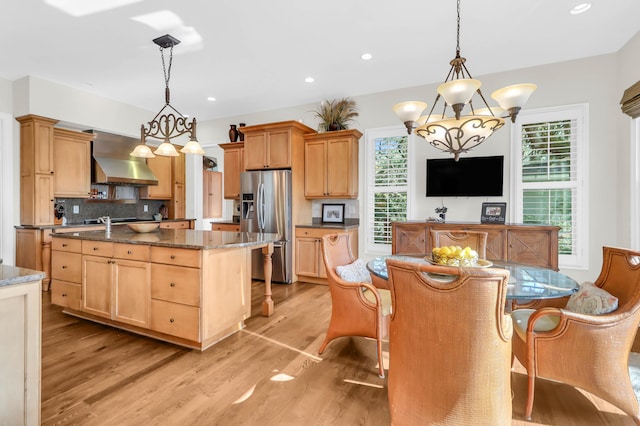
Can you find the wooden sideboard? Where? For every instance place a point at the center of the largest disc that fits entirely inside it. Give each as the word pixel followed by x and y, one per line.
pixel 527 244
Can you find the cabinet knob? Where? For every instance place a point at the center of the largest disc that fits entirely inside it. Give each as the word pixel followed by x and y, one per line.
pixel 51 172
pixel 171 320
pixel 95 249
pixel 64 266
pixel 64 294
pixel 129 252
pixel 64 245
pixel 172 256
pixel 172 284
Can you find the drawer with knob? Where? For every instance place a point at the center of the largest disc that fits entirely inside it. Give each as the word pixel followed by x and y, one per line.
pixel 175 319
pixel 176 256
pixel 66 244
pixel 175 284
pixel 66 294
pixel 131 251
pixel 67 267
pixel 97 248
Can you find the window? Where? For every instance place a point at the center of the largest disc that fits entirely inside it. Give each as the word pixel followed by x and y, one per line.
pixel 549 176
pixel 387 172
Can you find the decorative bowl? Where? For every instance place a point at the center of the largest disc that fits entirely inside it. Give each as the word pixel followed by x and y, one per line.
pixel 454 256
pixel 143 227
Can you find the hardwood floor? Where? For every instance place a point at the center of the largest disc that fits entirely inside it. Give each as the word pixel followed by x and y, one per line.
pixel 267 374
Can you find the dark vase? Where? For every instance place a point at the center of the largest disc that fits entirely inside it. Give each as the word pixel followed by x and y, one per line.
pixel 333 127
pixel 240 131
pixel 233 133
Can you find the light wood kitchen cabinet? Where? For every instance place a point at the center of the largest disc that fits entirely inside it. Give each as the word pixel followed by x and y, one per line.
pixel 116 282
pixel 177 206
pixel 72 163
pixel 20 352
pixel 309 260
pixel 211 194
pixel 229 227
pixel 331 164
pixel 162 169
pixel 270 146
pixel 36 170
pixel 535 245
pixel 233 166
pixel 177 224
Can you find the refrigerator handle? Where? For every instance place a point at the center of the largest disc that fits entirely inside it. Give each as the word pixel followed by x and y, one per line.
pixel 261 220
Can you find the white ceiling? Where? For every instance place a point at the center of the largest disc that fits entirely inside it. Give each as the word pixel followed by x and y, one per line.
pixel 255 54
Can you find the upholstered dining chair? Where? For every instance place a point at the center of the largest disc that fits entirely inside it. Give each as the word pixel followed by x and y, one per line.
pixel 590 352
pixel 449 345
pixel 358 308
pixel 476 240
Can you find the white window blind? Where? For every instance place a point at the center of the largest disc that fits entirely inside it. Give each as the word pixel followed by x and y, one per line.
pixel 388 185
pixel 550 177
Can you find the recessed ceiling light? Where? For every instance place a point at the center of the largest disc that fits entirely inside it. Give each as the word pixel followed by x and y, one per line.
pixel 581 8
pixel 211 99
pixel 83 7
pixel 309 79
pixel 366 56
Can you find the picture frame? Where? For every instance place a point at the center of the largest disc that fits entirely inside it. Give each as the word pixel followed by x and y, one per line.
pixel 333 213
pixel 493 212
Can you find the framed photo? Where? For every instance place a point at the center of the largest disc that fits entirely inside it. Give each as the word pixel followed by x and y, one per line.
pixel 493 212
pixel 333 213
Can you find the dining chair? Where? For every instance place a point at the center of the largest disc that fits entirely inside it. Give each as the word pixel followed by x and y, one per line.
pixel 358 308
pixel 449 345
pixel 590 352
pixel 476 240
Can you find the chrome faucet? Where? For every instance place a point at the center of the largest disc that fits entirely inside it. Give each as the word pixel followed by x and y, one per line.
pixel 107 223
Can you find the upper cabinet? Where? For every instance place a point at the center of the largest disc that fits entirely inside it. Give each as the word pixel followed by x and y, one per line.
pixel 271 146
pixel 331 164
pixel 211 194
pixel 36 170
pixel 72 163
pixel 162 168
pixel 233 166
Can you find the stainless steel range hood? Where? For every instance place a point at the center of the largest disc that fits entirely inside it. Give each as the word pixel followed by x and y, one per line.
pixel 112 163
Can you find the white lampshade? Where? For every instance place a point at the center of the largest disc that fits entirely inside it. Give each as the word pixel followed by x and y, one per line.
pixel 434 117
pixel 514 96
pixel 193 147
pixel 166 149
pixel 143 151
pixel 409 111
pixel 497 111
pixel 459 91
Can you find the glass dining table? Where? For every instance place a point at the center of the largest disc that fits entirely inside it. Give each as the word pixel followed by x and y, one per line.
pixel 526 282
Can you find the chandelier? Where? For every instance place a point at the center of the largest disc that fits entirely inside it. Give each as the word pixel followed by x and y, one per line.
pixel 171 123
pixel 462 132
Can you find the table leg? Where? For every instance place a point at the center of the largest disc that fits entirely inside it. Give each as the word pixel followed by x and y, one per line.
pixel 267 304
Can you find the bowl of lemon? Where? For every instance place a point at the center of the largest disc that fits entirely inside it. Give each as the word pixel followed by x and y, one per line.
pixel 454 256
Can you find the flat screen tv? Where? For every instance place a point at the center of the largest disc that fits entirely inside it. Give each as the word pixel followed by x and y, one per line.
pixel 467 177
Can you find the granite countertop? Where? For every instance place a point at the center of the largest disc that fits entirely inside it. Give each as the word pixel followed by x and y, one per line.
pixel 317 223
pixel 179 238
pixel 86 225
pixel 10 275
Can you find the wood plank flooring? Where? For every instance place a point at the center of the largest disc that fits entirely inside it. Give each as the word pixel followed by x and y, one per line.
pixel 267 374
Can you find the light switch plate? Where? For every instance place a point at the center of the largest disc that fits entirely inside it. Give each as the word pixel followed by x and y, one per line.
pixel 76 209
pixel 145 208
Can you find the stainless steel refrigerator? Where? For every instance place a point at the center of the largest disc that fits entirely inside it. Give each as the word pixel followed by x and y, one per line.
pixel 266 207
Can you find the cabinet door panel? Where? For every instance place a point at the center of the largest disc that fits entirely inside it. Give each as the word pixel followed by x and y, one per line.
pixel 233 166
pixel 175 319
pixel 410 240
pixel 66 294
pixel 44 199
pixel 72 162
pixel 161 168
pixel 67 266
pixel 255 151
pixel 279 149
pixel 529 248
pixel 307 257
pixel 339 160
pixel 132 292
pixel 314 169
pixel 97 275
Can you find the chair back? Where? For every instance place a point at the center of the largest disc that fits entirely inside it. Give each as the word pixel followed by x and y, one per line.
pixel 620 276
pixel 476 240
pixel 449 345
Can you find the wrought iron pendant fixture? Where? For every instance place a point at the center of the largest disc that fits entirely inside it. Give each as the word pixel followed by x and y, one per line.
pixel 168 123
pixel 461 133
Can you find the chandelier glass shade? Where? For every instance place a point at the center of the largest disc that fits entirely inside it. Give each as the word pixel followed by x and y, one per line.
pixel 168 123
pixel 469 126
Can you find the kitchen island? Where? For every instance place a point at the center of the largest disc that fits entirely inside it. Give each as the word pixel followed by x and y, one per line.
pixel 185 286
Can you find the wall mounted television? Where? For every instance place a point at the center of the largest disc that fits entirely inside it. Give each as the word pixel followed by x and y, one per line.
pixel 467 177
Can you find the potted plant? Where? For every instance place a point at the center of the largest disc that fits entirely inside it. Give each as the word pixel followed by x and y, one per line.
pixel 336 114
